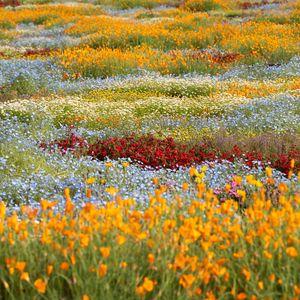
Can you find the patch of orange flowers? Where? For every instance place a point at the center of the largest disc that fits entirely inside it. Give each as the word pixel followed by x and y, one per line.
pixel 188 247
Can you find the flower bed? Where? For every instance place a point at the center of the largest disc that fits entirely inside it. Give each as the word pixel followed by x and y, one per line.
pixel 166 153
pixel 149 149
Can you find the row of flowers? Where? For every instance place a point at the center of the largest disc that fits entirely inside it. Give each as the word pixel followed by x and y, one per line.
pixel 151 151
pixel 185 248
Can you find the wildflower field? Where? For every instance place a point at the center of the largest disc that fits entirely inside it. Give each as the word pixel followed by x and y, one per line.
pixel 150 149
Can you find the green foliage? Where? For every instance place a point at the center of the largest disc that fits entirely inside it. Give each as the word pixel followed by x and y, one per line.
pixel 170 89
pixel 43 19
pixel 201 5
pixel 23 116
pixel 111 67
pixel 126 4
pixel 6 24
pixel 41 1
pixel 4 36
pixel 147 15
pixel 23 86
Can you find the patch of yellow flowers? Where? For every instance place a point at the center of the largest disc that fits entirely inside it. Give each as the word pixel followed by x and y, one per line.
pixel 187 248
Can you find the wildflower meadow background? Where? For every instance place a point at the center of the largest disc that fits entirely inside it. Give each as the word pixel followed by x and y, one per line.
pixel 150 149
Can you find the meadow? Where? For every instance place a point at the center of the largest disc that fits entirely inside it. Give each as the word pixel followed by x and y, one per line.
pixel 150 149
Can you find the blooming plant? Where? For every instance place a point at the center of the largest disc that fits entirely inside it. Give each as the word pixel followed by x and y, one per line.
pixel 191 248
pixel 157 153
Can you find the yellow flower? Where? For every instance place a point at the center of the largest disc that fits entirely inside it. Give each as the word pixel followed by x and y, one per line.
pixel 11 270
pixel 91 180
pixel 120 239
pixel 238 254
pixel 258 184
pixel 187 280
pixel 247 274
pixel 142 235
pixel 64 266
pixel 155 180
pixel 85 297
pixel 296 289
pixel 140 290
pixel 201 175
pixel 20 266
pixel 290 174
pixel 102 270
pixel 238 179
pixel 269 171
pixel 25 276
pixel 291 251
pixel 73 259
pixel 84 240
pixel 282 187
pixel 227 188
pixel 198 180
pixel 123 264
pixel 250 179
pixel 105 251
pixel 267 254
pixel 6 285
pixel 148 285
pixel 108 164
pixel 2 210
pixel 272 277
pixel 47 205
pixel 111 190
pixel 261 285
pixel 193 172
pixel 69 207
pixel 242 194
pixel 89 193
pixel 185 186
pixel 125 164
pixel 150 243
pixel 49 269
pixel 292 163
pixel 40 285
pixel 67 194
pixel 151 258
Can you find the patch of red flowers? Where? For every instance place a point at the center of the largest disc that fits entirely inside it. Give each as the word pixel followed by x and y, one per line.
pixel 157 153
pixel 226 58
pixel 39 52
pixel 13 3
pixel 215 56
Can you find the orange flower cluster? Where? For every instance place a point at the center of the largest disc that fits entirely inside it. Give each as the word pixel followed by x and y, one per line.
pixel 261 89
pixel 53 14
pixel 177 42
pixel 195 247
pixel 123 45
pixel 203 30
